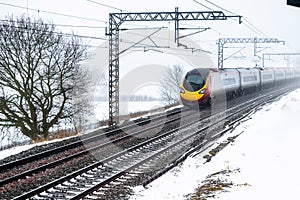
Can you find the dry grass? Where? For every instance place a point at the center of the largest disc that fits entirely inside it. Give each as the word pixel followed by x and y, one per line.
pixel 212 185
pixel 58 135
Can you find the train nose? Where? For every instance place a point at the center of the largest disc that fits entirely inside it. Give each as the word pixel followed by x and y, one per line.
pixel 191 96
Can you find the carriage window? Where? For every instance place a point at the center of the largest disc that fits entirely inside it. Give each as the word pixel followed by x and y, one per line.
pixel 267 76
pixel 279 75
pixel 249 78
pixel 229 81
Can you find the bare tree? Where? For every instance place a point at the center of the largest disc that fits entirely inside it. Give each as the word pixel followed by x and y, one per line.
pixel 41 79
pixel 170 85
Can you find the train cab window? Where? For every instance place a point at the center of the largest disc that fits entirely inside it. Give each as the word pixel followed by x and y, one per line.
pixel 193 81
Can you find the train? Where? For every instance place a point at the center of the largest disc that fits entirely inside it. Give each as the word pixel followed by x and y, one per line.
pixel 201 86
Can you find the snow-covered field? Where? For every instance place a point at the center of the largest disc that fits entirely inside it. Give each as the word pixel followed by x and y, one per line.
pixel 264 160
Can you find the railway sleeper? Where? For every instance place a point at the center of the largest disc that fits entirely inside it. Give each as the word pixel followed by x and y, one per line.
pixel 60 188
pixel 123 180
pixel 93 196
pixel 42 195
pixel 54 194
pixel 72 188
pixel 79 184
pixel 97 193
pixel 99 176
pixel 89 174
pixel 81 179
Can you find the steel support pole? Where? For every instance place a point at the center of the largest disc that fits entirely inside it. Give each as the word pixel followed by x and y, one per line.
pixel 113 72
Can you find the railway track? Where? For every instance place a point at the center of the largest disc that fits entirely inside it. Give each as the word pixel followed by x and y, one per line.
pixel 135 163
pixel 36 164
pixel 84 139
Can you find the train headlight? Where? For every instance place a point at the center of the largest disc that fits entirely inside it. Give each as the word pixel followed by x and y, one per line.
pixel 182 90
pixel 202 91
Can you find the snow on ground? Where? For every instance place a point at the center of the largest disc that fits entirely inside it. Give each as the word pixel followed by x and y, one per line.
pixel 18 149
pixel 266 154
pixel 14 150
pixel 101 108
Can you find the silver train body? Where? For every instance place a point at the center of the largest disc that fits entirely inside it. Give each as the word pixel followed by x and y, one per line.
pixel 237 81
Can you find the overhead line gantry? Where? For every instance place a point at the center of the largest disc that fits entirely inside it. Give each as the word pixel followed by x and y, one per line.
pixel 116 20
pixel 279 54
pixel 222 41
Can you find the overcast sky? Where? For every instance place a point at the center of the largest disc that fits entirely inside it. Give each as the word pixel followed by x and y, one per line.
pixel 261 18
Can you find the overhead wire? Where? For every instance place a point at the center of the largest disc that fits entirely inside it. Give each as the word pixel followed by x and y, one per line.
pixel 53 13
pixel 202 5
pixel 163 38
pixel 144 45
pixel 255 28
pixel 221 7
pixel 214 54
pixel 84 18
pixel 64 25
pixel 156 37
pixel 61 25
pixel 108 6
pixel 115 8
pixel 250 26
pixel 219 33
pixel 80 26
pixel 72 16
pixel 62 33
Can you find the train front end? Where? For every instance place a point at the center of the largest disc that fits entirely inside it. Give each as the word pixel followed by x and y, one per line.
pixel 195 89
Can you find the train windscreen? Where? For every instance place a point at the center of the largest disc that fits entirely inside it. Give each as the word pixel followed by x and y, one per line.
pixel 194 80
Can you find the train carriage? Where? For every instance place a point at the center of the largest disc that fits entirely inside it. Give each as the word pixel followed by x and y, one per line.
pixel 231 81
pixel 202 85
pixel 297 73
pixel 279 76
pixel 250 79
pixel 267 77
pixel 289 74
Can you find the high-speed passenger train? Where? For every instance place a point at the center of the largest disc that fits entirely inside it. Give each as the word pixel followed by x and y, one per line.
pixel 200 86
